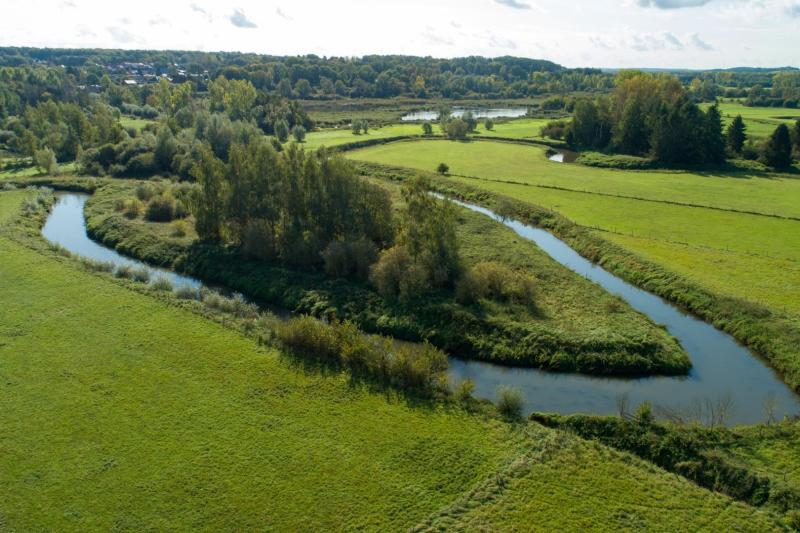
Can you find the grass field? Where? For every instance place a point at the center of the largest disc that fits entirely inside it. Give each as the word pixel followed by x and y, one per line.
pixel 161 419
pixel 524 128
pixel 344 135
pixel 760 121
pixel 753 257
pixel 135 122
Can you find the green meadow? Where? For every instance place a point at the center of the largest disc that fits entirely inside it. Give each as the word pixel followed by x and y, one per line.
pixel 760 121
pixel 162 419
pixel 658 216
pixel 135 122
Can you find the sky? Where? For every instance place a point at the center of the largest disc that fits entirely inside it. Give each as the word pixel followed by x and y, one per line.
pixel 597 33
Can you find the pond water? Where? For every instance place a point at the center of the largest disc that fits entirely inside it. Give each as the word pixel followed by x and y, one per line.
pixel 498 112
pixel 721 368
pixel 563 156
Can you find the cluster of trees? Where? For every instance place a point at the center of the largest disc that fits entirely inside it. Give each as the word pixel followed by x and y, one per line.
pixel 64 128
pixel 359 125
pixel 300 208
pixel 315 77
pixel 310 210
pixel 651 115
pixel 783 92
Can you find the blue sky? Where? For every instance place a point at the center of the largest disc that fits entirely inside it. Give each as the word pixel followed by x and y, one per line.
pixel 598 33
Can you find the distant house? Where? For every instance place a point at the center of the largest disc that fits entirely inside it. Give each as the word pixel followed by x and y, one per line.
pixel 130 82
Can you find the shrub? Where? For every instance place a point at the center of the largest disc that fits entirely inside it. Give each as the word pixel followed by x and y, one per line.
pixel 555 129
pixel 442 168
pixel 133 208
pixel 457 129
pixel 9 187
pixel 140 274
pixel 299 133
pixel 387 272
pixel 395 275
pixel 98 266
pixel 46 161
pixel 496 281
pixel 412 366
pixel 464 390
pixel 349 258
pixel 179 228
pixel 427 129
pixel 161 209
pixel 161 284
pixel 488 124
pixel 510 402
pixel 235 305
pixel 124 271
pixel 793 520
pixel 258 240
pixel 187 292
pixel 145 191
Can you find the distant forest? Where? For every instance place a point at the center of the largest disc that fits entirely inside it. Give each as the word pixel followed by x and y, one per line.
pixel 315 77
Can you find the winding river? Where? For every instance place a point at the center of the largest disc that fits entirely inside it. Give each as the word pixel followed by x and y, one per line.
pixel 722 368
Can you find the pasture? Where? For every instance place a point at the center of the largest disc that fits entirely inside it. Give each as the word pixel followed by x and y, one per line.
pixel 760 121
pixel 655 214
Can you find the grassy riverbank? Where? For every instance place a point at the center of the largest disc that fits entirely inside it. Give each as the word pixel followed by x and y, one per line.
pixel 161 419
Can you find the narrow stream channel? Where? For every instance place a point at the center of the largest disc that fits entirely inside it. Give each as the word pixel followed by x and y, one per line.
pixel 722 367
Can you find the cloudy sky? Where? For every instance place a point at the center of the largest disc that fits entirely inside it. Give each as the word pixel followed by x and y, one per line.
pixel 597 33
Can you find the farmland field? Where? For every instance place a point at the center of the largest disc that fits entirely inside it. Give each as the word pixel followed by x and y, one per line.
pixel 760 121
pixel 162 419
pixel 759 253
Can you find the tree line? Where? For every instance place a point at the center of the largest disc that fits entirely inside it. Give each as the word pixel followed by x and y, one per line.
pixel 315 77
pixel 654 115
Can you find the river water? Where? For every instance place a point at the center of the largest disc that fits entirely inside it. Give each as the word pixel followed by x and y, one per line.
pixel 722 368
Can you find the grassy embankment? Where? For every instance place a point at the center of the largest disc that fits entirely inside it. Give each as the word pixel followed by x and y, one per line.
pixel 700 226
pixel 570 324
pixel 161 419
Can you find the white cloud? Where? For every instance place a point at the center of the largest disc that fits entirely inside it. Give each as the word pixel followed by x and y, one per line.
pixel 240 20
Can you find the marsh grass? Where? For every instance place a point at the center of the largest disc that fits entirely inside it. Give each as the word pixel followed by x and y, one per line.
pixel 161 284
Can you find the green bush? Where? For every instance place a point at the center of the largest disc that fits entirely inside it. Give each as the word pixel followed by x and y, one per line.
pixel 124 271
pixel 179 228
pixel 133 208
pixel 161 208
pixel 140 274
pixel 510 402
pixel 464 390
pixel 145 191
pixel 349 258
pixel 496 281
pixel 418 367
pixel 98 266
pixel 186 292
pixel 161 284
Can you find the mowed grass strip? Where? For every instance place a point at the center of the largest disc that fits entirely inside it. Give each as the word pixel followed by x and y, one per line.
pixel 771 194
